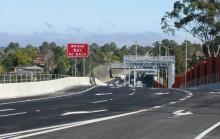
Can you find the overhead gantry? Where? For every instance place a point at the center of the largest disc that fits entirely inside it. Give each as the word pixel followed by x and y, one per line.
pixel 148 65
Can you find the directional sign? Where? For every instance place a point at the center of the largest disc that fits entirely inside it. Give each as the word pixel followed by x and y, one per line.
pixel 76 50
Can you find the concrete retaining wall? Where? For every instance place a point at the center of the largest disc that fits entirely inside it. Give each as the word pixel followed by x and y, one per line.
pixel 17 90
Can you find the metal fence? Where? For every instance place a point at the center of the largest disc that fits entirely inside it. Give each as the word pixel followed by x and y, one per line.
pixel 19 78
pixel 209 79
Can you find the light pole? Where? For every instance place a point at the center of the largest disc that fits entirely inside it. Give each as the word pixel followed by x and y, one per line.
pixel 186 60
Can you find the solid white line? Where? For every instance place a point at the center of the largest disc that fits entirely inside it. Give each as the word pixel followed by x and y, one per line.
pixel 82 112
pixel 12 114
pixel 6 110
pixel 200 136
pixel 46 98
pixel 17 135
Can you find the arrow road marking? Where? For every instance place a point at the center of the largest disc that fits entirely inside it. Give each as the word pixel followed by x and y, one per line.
pixel 182 113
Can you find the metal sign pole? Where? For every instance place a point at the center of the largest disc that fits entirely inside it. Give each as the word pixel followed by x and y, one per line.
pixel 72 67
pixel 84 67
pixel 75 65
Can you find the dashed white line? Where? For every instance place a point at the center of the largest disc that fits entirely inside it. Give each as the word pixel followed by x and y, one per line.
pixel 172 102
pixel 13 114
pixel 214 92
pixel 165 93
pixel 82 112
pixel 156 107
pixel 3 110
pixel 204 133
pixel 103 94
pixel 101 101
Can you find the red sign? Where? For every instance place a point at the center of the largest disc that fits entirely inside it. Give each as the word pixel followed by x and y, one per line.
pixel 77 50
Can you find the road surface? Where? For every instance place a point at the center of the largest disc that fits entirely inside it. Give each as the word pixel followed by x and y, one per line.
pixel 114 113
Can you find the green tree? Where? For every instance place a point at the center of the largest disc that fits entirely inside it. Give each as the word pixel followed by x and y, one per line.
pixel 61 68
pixel 197 17
pixel 9 62
pixel 2 70
pixel 12 47
pixel 22 58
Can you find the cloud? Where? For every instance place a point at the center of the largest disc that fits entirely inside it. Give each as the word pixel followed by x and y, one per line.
pixel 48 25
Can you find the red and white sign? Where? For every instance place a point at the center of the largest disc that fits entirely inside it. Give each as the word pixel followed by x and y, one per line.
pixel 75 50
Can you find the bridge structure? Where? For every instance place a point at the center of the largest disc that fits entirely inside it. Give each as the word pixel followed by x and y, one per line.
pixel 149 66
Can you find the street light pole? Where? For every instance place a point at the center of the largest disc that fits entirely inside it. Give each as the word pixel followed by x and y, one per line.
pixel 186 60
pixel 136 49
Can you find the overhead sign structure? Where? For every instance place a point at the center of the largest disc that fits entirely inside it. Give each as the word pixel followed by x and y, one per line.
pixel 76 50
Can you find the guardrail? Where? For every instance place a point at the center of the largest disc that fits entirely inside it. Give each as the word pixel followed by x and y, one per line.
pixel 19 78
pixel 209 79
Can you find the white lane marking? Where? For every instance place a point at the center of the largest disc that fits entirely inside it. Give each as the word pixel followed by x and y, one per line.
pixel 182 99
pixel 165 93
pixel 214 92
pixel 95 102
pixel 156 107
pixel 37 110
pixel 6 110
pixel 103 94
pixel 182 113
pixel 131 94
pixel 82 112
pixel 204 133
pixel 46 98
pixel 13 114
pixel 38 131
pixel 172 102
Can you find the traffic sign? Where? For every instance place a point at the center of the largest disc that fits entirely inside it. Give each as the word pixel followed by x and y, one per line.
pixel 76 50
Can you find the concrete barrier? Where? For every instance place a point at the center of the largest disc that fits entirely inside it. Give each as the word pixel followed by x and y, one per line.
pixel 210 86
pixel 17 90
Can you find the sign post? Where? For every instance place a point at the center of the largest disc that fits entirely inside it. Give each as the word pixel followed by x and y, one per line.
pixel 78 50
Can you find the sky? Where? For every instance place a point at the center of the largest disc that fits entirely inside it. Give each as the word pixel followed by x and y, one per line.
pixel 83 21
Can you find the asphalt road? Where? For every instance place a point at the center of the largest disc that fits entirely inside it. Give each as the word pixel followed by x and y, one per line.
pixel 114 113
